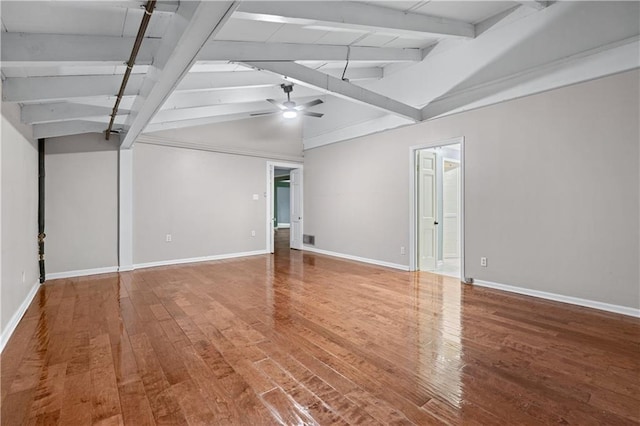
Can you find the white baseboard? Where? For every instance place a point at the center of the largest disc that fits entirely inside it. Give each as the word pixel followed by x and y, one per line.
pixel 17 316
pixel 357 258
pixel 624 310
pixel 81 272
pixel 198 259
pixel 284 225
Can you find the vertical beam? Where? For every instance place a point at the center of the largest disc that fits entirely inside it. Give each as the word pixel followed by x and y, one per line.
pixel 125 209
pixel 41 234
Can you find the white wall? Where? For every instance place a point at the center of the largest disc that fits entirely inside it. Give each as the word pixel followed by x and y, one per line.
pixel 551 191
pixel 81 202
pixel 203 199
pixel 19 218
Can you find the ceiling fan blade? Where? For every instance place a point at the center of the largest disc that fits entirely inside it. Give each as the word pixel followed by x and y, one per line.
pixel 311 114
pixel 264 113
pixel 309 104
pixel 278 104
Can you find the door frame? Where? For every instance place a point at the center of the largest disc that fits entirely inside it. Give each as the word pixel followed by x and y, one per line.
pixel 413 200
pixel 269 210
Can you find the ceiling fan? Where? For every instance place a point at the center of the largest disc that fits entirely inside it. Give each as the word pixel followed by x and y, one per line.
pixel 289 108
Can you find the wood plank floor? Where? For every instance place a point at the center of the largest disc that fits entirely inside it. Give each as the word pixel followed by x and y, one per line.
pixel 298 338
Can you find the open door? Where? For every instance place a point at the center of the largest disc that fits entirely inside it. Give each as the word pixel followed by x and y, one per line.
pixel 296 209
pixel 427 208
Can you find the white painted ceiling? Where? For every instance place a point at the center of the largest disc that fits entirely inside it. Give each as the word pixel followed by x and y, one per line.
pixel 409 61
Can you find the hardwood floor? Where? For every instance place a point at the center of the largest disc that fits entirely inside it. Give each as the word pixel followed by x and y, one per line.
pixel 298 338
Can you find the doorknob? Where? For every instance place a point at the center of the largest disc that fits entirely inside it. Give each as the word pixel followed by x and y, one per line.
pixel 435 223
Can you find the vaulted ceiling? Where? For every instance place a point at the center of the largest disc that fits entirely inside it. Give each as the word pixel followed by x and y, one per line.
pixel 376 64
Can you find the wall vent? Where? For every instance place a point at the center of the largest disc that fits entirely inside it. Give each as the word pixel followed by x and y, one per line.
pixel 309 239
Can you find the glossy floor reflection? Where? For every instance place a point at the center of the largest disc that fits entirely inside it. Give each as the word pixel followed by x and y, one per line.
pixel 297 338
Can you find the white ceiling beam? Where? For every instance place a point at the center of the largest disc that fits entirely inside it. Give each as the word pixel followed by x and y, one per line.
pixel 163 6
pixel 190 29
pixel 26 49
pixel 226 80
pixel 604 60
pixel 356 74
pixel 66 128
pixel 178 114
pixel 337 87
pixel 63 111
pixel 245 51
pixel 346 14
pixel 40 89
pixel 534 4
pixel 180 100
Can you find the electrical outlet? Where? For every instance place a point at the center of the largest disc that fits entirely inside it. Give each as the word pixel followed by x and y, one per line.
pixel 253 233
pixel 24 277
pixel 168 238
pixel 402 250
pixel 483 261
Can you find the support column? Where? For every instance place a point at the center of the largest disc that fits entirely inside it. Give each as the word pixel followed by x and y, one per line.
pixel 125 209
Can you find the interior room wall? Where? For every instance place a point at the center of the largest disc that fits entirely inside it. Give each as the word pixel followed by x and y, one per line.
pixel 270 136
pixel 19 219
pixel 283 202
pixel 204 200
pixel 81 217
pixel 551 191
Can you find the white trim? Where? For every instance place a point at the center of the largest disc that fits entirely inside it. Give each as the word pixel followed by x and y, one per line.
pixel 17 316
pixel 200 146
pixel 413 241
pixel 81 272
pixel 269 210
pixel 198 259
pixel 624 310
pixel 356 258
pixel 283 225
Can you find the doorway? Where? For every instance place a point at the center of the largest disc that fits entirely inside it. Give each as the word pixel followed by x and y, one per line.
pixel 284 206
pixel 437 225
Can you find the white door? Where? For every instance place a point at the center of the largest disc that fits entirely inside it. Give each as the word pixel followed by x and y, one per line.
pixel 451 209
pixel 295 191
pixel 427 208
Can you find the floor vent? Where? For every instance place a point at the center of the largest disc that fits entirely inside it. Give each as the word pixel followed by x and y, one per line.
pixel 309 239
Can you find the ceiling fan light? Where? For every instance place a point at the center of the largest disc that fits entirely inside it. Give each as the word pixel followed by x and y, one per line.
pixel 290 113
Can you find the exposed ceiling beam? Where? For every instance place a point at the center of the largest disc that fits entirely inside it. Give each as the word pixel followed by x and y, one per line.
pixel 178 51
pixel 356 74
pixel 335 86
pixel 40 89
pixel 232 96
pixel 346 14
pixel 217 100
pixel 226 80
pixel 66 128
pixel 165 6
pixel 604 60
pixel 535 4
pixel 26 49
pixel 246 51
pixel 168 115
pixel 63 111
